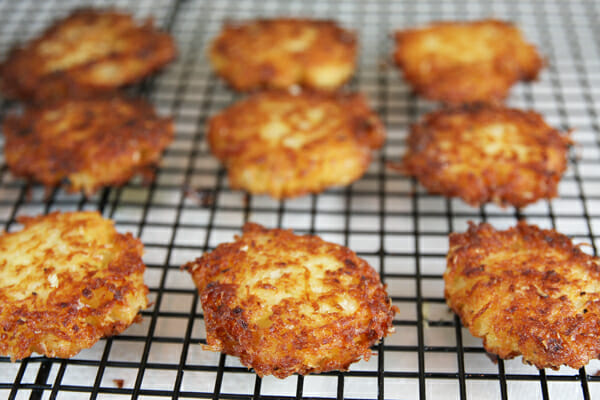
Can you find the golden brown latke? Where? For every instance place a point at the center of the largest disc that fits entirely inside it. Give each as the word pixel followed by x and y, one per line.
pixel 461 62
pixel 282 52
pixel 484 153
pixel 290 304
pixel 526 291
pixel 66 281
pixel 87 52
pixel 288 145
pixel 91 143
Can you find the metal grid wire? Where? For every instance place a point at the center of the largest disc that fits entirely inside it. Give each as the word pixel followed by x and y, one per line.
pixel 387 218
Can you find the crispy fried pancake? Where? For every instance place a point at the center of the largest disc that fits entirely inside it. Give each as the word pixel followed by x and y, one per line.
pixel 526 291
pixel 87 52
pixel 279 53
pixel 66 281
pixel 484 153
pixel 91 143
pixel 288 145
pixel 290 304
pixel 461 62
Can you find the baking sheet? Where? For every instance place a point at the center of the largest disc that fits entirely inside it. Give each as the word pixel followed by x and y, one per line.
pixel 387 218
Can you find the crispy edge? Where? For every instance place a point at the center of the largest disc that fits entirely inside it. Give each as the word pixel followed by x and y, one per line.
pixel 228 327
pixel 475 192
pixel 363 124
pixel 458 85
pixel 481 240
pixel 263 76
pixel 19 79
pixel 80 328
pixel 30 152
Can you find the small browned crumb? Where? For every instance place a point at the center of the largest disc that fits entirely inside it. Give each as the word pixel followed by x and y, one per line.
pixel 66 281
pixel 290 304
pixel 205 197
pixel 287 145
pixel 526 291
pixel 88 52
pixel 462 62
pixel 91 143
pixel 119 383
pixel 282 52
pixel 484 153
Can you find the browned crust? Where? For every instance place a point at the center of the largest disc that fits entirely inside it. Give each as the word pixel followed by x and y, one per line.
pixel 264 53
pixel 472 61
pixel 83 307
pixel 526 291
pixel 454 152
pixel 332 149
pixel 291 339
pixel 91 143
pixel 119 52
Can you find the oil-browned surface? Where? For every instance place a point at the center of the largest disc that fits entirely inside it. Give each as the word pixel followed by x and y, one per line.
pixel 67 280
pixel 526 291
pixel 279 53
pixel 484 153
pixel 89 51
pixel 286 145
pixel 460 62
pixel 90 143
pixel 290 304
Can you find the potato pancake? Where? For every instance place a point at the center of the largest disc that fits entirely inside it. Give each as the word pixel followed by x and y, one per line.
pixel 66 281
pixel 282 52
pixel 526 291
pixel 287 145
pixel 484 153
pixel 87 52
pixel 290 304
pixel 90 143
pixel 463 62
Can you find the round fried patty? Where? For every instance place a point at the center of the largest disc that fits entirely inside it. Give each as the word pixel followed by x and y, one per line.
pixel 526 291
pixel 89 51
pixel 459 62
pixel 287 145
pixel 484 153
pixel 66 281
pixel 90 143
pixel 282 52
pixel 290 304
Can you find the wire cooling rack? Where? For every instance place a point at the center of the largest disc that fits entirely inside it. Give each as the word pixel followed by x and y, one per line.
pixel 387 218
